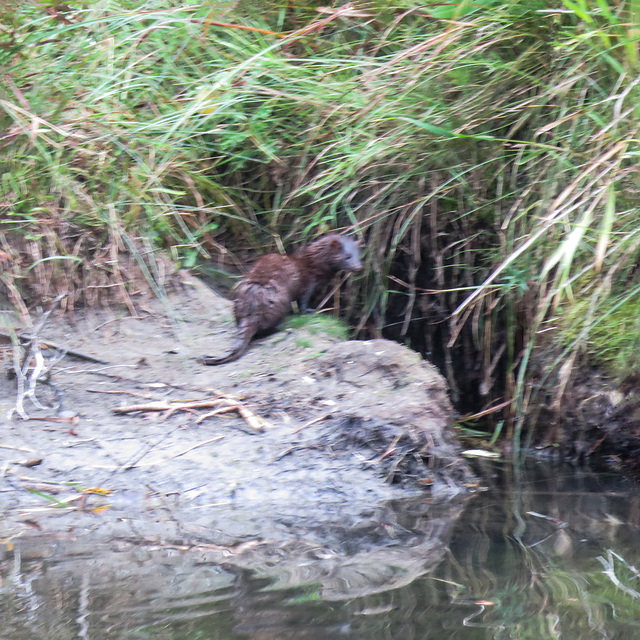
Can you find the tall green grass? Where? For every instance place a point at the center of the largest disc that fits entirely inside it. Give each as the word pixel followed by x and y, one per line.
pixel 486 151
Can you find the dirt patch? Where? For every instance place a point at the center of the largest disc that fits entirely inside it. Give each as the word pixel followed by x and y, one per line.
pixel 350 425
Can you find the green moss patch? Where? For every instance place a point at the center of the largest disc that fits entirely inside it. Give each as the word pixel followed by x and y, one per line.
pixel 317 324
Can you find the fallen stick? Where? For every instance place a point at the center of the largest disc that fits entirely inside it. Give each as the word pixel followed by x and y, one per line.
pixel 170 407
pixel 253 420
pixel 54 345
pixel 181 453
pixel 311 422
pixel 160 405
pixel 137 394
pixel 13 448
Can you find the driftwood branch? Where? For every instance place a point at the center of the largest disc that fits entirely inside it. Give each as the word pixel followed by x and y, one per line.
pixel 221 404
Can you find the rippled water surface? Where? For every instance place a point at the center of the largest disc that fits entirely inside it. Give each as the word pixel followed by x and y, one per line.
pixel 551 554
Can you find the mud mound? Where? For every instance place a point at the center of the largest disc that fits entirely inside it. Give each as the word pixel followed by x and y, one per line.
pixel 381 402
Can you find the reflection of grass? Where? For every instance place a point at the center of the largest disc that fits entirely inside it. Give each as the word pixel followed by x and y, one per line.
pixel 303 598
pixel 553 586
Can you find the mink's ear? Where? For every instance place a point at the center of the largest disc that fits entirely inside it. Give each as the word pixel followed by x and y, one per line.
pixel 335 243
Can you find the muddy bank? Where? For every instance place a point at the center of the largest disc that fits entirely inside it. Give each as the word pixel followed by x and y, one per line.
pixel 598 422
pixel 346 428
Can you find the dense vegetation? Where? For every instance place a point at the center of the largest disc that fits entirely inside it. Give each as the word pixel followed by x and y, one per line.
pixel 486 153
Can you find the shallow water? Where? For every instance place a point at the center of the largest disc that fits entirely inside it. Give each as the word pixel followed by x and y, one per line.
pixel 548 554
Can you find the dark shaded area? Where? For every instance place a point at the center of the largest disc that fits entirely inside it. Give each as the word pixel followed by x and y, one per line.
pixel 434 271
pixel 599 421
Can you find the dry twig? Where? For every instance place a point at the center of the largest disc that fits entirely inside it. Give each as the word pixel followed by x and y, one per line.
pixel 25 338
pixel 222 404
pixel 311 422
pixel 33 367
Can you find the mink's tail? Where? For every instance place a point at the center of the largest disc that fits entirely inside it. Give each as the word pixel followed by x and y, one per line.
pixel 239 348
pixel 244 338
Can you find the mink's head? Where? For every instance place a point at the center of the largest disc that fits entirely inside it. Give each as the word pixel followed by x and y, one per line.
pixel 342 253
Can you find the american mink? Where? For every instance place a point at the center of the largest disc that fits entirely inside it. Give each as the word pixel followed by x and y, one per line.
pixel 263 297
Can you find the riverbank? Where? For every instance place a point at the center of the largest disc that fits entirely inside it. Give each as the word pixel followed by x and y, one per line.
pixel 304 438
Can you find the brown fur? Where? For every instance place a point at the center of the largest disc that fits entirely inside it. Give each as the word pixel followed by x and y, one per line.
pixel 263 298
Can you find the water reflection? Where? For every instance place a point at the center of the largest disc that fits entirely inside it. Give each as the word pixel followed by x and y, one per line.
pixel 549 554
pixel 534 547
